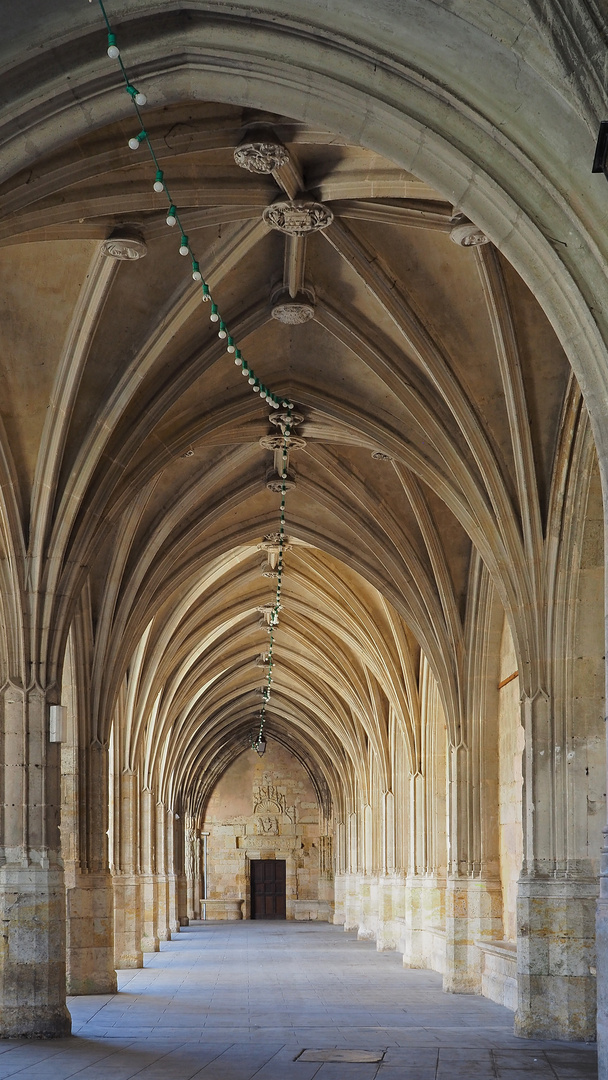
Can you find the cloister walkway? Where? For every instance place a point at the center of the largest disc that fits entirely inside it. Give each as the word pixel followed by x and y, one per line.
pixel 233 1001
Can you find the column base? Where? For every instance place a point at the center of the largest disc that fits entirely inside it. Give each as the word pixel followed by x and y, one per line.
pixel 127 922
pixel 90 935
pixel 601 941
pixel 556 986
pixel 150 944
pixel 32 1022
pixel 473 912
pixel 32 953
pixel 424 920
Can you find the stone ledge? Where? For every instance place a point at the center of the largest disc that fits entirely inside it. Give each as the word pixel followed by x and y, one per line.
pixel 310 910
pixel 499 972
pixel 229 908
pixel 505 949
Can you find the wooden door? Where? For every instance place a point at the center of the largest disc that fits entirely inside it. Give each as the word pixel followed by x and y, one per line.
pixel 268 889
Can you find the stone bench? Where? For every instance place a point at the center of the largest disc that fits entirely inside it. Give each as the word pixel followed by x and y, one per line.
pixel 229 909
pixel 499 972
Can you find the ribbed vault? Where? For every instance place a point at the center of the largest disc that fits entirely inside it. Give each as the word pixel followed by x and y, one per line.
pixel 419 276
pixel 431 390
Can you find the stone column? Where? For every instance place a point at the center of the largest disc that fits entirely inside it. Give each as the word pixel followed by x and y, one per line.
pixel 473 898
pixel 172 882
pixel 89 892
pixel 147 879
pixel 190 869
pixel 127 913
pixel 32 894
pixel 163 932
pixel 179 854
pixel 601 918
pixel 555 904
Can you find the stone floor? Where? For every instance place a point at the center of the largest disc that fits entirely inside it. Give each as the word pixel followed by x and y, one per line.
pixel 233 1001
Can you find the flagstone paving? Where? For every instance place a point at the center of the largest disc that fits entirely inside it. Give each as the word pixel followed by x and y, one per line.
pixel 233 1001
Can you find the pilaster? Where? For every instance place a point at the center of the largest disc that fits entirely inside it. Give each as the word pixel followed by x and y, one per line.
pixel 89 892
pixel 126 884
pixel 32 892
pixel 148 881
pixel 163 932
pixel 601 943
pixel 172 882
pixel 556 986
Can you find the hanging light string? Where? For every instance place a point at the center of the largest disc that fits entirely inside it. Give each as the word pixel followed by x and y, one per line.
pixel 257 742
pixel 275 401
pixel 138 100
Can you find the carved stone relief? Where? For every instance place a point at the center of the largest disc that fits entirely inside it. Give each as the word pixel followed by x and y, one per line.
pixel 297 217
pixel 261 156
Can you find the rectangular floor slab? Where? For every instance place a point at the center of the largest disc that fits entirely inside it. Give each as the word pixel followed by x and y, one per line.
pixel 339 1054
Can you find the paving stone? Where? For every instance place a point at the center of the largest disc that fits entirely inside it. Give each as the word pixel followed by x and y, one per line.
pixel 405 1072
pixel 334 1071
pixel 410 1057
pixel 229 1002
pixel 530 1061
pixel 341 1054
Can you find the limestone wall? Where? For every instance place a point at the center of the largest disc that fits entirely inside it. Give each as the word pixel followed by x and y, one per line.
pixel 267 808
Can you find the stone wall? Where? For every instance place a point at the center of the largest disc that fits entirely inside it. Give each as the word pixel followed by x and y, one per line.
pixel 267 808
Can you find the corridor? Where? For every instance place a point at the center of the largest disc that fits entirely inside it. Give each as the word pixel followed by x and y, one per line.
pixel 233 1001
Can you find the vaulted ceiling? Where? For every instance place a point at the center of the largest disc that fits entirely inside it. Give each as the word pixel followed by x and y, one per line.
pixel 431 398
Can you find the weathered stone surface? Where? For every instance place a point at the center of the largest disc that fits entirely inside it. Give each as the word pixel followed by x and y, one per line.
pixel 32 953
pixel 556 959
pixel 90 935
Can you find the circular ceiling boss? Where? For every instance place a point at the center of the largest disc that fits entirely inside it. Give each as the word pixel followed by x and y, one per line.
pixel 298 217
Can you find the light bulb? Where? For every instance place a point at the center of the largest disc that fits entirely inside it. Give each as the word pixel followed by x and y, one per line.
pixel 171 216
pixel 222 332
pixel 140 98
pixel 245 371
pixel 236 360
pixel 251 380
pixel 113 50
pixel 134 144
pixel 214 313
pixel 196 274
pixel 262 393
pixel 230 346
pixel 206 296
pixel 158 183
pixel 183 247
pixel 256 389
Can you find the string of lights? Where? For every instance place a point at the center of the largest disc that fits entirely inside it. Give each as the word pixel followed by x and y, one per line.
pixel 275 401
pixel 258 743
